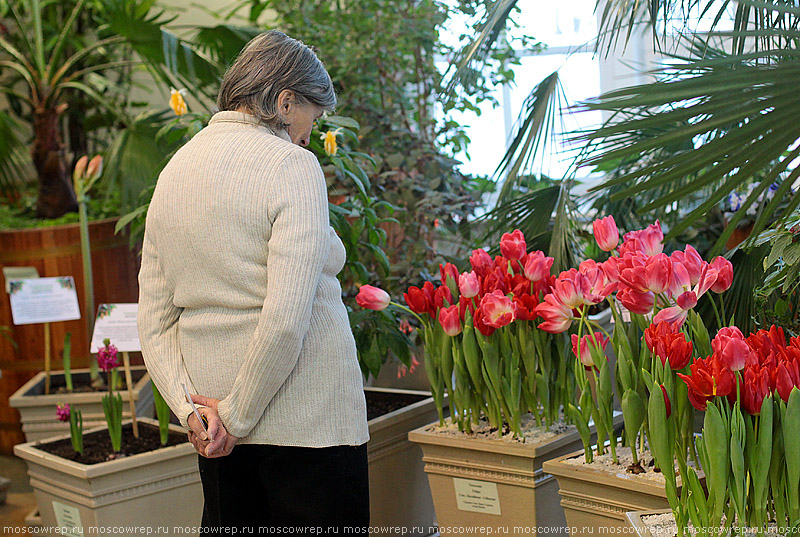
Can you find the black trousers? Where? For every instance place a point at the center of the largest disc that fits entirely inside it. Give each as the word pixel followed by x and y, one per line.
pixel 305 489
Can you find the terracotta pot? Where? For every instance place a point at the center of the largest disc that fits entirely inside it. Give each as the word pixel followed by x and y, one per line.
pixel 492 483
pixel 593 498
pixel 155 489
pixel 399 497
pixel 56 251
pixel 38 411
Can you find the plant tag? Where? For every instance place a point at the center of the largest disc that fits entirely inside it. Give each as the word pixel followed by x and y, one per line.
pixel 68 519
pixel 43 300
pixel 18 273
pixel 477 496
pixel 117 322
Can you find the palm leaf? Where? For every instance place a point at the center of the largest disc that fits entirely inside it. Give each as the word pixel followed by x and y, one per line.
pixel 14 160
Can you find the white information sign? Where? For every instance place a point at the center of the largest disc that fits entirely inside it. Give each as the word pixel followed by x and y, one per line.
pixel 43 300
pixel 68 519
pixel 117 322
pixel 477 496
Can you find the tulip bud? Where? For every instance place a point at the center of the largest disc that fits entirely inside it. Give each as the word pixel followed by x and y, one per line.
pixel 80 168
pixel 667 403
pixel 606 233
pixel 468 284
pixel 512 245
pixel 450 320
pixel 95 168
pixel 372 298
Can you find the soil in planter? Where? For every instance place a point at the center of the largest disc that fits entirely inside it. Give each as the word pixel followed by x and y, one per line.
pixel 81 383
pixel 531 434
pixel 97 445
pixel 380 403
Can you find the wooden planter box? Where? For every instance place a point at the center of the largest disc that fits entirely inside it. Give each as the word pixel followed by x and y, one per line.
pixel 159 488
pixel 593 498
pixel 38 411
pixel 56 251
pixel 399 496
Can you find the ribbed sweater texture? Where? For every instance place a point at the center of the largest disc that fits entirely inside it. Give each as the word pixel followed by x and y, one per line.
pixel 238 292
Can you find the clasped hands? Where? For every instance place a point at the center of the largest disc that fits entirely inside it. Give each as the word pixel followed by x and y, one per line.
pixel 216 442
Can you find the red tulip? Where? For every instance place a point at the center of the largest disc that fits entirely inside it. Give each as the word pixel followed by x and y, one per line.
pixel 755 386
pixel 372 298
pixel 481 262
pixel 669 344
pixel 450 320
pixel 495 280
pixel 788 378
pixel 442 298
pixel 731 348
pixel 537 266
pixel 479 320
pixel 526 307
pixel 666 401
pixel 498 309
pixel 606 233
pixel 556 315
pixel 468 284
pixel 635 301
pixel 465 304
pixel 583 351
pixel 512 245
pixel 724 274
pixel 708 379
pixel 568 288
pixel 417 300
pixel 448 272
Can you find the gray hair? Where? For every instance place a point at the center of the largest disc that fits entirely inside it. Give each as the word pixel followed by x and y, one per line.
pixel 268 64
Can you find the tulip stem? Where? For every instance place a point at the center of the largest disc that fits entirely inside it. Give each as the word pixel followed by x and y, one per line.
pixel 716 312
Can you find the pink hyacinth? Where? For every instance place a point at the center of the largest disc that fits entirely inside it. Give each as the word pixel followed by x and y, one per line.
pixel 107 356
pixel 62 412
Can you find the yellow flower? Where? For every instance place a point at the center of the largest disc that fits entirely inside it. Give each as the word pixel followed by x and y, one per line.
pixel 176 101
pixel 329 141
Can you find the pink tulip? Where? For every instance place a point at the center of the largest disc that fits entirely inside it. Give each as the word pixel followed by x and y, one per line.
pixel 680 281
pixel 658 273
pixel 606 233
pixel 512 245
pixel 636 301
pixel 724 274
pixel 537 266
pixel 481 262
pixel 557 317
pixel 587 342
pixel 610 268
pixel 568 289
pixel 468 284
pixel 648 241
pixel 673 315
pixel 691 261
pixel 450 320
pixel 498 309
pixel 372 298
pixel 732 349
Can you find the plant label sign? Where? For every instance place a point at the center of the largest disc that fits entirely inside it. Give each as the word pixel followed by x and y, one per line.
pixel 68 519
pixel 43 300
pixel 476 496
pixel 117 322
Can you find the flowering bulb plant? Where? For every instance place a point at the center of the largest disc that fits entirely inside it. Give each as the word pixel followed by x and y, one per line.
pixel 749 389
pixel 112 403
pixel 642 285
pixel 73 416
pixel 482 346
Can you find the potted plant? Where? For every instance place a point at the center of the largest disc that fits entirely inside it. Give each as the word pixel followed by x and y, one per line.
pixel 657 293
pixel 749 389
pixel 506 381
pixel 109 476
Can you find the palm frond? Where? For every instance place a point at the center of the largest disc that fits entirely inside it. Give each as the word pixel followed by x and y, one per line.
pixel 477 50
pixel 14 159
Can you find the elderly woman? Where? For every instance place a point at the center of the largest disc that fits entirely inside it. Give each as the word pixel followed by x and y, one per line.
pixel 239 302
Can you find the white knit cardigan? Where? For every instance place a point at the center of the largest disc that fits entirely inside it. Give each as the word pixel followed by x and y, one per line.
pixel 238 292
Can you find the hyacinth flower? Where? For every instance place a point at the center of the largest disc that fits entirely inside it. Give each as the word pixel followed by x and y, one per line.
pixel 73 416
pixel 112 403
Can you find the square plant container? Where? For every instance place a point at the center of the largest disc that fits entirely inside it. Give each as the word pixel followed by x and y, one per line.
pixel 38 411
pixel 160 488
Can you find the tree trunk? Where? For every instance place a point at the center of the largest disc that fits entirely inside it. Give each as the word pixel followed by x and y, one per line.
pixel 56 196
